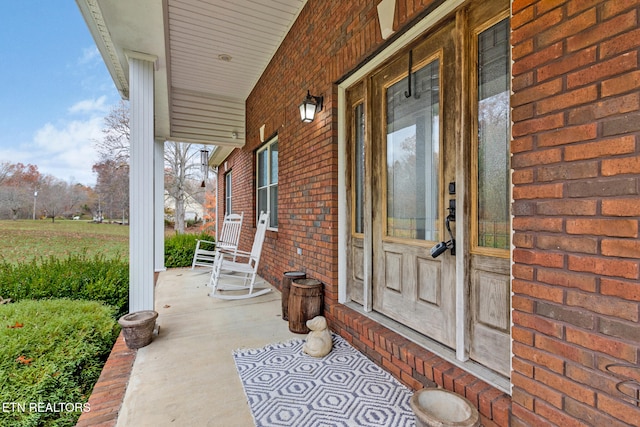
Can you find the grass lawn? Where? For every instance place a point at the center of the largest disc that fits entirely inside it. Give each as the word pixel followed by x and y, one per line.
pixel 26 240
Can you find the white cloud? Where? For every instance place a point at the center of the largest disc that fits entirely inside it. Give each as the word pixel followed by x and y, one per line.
pixel 70 149
pixel 66 151
pixel 90 55
pixel 90 106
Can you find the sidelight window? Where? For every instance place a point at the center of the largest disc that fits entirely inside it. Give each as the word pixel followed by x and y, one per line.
pixel 492 195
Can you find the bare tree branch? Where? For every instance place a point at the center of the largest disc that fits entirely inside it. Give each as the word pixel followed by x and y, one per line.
pixel 115 143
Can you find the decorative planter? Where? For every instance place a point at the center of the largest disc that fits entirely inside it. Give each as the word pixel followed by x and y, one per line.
pixel 137 328
pixel 436 407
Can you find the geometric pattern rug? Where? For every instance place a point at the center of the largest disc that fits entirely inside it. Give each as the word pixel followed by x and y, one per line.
pixel 286 387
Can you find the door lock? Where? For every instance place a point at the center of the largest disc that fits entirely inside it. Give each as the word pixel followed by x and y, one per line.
pixel 442 247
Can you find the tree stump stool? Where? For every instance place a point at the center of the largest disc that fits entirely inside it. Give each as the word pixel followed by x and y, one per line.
pixel 305 303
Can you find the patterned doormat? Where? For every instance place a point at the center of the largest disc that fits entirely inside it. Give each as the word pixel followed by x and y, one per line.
pixel 286 387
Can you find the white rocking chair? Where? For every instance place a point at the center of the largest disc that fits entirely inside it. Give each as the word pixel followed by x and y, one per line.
pixel 205 253
pixel 240 275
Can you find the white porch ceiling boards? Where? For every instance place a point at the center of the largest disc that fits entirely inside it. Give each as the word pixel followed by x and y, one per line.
pixel 199 97
pixel 208 93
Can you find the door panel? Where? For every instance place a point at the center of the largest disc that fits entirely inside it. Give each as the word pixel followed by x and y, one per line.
pixel 413 292
pixel 429 281
pixel 490 308
pixel 414 159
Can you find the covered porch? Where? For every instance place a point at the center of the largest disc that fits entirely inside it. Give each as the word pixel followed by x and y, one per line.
pixel 540 299
pixel 187 68
pixel 187 375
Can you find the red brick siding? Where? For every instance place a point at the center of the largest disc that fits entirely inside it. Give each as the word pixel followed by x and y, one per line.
pixel 576 159
pixel 108 392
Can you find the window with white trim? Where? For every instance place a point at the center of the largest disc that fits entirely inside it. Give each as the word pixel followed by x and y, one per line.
pixel 267 181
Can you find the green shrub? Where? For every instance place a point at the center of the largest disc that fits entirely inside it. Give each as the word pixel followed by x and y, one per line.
pixel 178 249
pixel 52 353
pixel 74 277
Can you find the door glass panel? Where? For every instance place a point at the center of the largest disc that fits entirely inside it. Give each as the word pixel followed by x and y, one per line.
pixel 413 156
pixel 358 117
pixel 493 137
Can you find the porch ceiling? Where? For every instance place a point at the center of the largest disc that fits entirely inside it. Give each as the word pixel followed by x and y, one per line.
pixel 199 95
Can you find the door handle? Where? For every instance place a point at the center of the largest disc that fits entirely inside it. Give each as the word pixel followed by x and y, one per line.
pixel 450 244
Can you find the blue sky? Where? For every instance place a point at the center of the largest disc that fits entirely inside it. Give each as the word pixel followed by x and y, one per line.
pixel 56 90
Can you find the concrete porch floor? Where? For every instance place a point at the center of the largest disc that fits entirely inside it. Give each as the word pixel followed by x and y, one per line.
pixel 187 375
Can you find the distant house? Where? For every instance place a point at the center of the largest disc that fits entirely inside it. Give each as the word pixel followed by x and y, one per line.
pixel 467 192
pixel 193 210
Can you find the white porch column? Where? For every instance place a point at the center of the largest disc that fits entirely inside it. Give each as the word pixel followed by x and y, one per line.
pixel 141 188
pixel 159 204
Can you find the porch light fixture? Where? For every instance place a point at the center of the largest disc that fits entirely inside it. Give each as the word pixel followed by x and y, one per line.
pixel 309 107
pixel 204 165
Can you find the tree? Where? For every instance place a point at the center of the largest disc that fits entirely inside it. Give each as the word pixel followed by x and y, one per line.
pixel 18 182
pixel 115 144
pixel 5 170
pixel 19 185
pixel 210 213
pixel 180 166
pixel 58 198
pixel 112 188
pixel 180 177
pixel 112 184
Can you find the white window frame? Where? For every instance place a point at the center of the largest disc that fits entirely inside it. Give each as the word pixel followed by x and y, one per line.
pixel 273 213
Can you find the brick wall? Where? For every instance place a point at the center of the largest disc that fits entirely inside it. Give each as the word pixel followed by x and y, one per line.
pixel 576 160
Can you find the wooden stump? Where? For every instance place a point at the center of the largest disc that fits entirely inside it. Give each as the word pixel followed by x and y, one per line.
pixel 305 303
